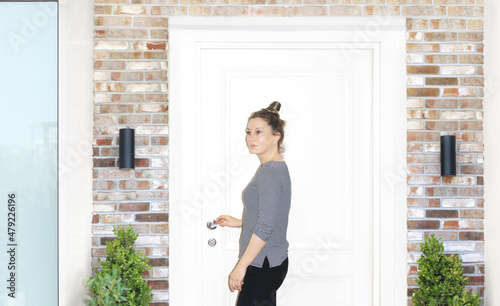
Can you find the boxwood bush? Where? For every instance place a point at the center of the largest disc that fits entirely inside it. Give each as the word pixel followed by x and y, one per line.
pixel 119 281
pixel 440 278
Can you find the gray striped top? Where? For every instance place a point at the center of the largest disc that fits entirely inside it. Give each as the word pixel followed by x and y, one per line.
pixel 266 202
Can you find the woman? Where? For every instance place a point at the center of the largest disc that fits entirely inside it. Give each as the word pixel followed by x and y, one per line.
pixel 263 258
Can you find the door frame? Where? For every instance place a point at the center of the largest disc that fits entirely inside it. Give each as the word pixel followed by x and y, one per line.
pixel 386 35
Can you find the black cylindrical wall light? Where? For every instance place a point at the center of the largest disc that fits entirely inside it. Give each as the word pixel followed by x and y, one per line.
pixel 127 149
pixel 448 155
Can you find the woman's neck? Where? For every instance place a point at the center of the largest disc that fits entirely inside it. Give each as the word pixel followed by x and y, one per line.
pixel 264 158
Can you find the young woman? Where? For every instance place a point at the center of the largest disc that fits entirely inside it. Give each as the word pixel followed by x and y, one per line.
pixel 263 258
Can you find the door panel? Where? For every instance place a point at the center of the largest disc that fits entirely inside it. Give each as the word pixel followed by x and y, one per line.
pixel 326 102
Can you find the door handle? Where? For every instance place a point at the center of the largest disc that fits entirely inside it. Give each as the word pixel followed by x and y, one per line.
pixel 211 224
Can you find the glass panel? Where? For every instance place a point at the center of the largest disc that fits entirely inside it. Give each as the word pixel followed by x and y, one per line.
pixel 28 153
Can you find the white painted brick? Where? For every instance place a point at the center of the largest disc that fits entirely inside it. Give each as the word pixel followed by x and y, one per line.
pixel 162 251
pixel 160 295
pixel 102 229
pixel 413 257
pixel 480 247
pixel 101 98
pixel 466 224
pixel 432 147
pixel 415 36
pixel 159 206
pixel 480 158
pixel 128 218
pixel 415 81
pixel 151 108
pixel 414 58
pixel 457 48
pixel 416 213
pixel 104 207
pixel 459 246
pixel 163 65
pixel 458 70
pixel 152 239
pixel 471 147
pixel 111 45
pixel 160 184
pixel 115 196
pixel 110 130
pixel 465 159
pixel 156 151
pixel 142 65
pixel 130 9
pixel 466 92
pixel 159 162
pixel 457 115
pixel 415 103
pixel 415 125
pixel 419 191
pixel 101 76
pixel 472 257
pixel 116 173
pixel 160 273
pixel 415 236
pixel 142 87
pixel 151 129
pixel 154 173
pixel 458 203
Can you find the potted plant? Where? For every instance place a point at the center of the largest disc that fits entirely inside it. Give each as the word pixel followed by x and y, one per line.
pixel 119 279
pixel 440 278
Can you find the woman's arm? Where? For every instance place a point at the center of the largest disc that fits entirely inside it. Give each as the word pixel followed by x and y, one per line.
pixel 253 249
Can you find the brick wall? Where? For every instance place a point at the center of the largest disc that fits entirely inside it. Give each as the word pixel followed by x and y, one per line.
pixel 445 90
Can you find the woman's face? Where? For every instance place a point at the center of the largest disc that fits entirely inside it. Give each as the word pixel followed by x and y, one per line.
pixel 260 138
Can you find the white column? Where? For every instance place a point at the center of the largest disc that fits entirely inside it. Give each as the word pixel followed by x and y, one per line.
pixel 492 151
pixel 75 147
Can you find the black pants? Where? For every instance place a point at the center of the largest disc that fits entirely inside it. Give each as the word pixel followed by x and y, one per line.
pixel 260 284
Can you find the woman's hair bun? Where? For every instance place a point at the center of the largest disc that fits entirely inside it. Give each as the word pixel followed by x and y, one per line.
pixel 274 107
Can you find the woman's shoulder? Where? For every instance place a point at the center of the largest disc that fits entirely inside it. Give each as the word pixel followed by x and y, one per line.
pixel 275 169
pixel 277 165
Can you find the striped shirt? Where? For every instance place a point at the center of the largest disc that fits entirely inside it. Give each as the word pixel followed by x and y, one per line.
pixel 266 202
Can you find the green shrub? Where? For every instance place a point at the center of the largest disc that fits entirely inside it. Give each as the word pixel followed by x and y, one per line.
pixel 107 289
pixel 440 278
pixel 127 266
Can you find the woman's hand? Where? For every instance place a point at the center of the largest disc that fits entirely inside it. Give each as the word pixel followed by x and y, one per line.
pixel 228 221
pixel 236 278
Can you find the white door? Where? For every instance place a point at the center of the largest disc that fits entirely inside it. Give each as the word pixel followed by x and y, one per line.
pixel 326 102
pixel 329 100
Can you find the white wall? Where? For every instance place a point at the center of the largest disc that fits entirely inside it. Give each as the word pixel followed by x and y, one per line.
pixel 75 147
pixel 492 152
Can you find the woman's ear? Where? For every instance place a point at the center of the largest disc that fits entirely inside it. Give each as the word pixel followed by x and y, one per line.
pixel 277 137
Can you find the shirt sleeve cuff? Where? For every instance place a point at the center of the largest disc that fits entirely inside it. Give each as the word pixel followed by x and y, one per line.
pixel 262 233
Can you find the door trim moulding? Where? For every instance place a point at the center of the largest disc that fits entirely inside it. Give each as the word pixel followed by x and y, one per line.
pixel 385 35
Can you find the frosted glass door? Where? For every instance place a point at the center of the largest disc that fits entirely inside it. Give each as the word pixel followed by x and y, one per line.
pixel 28 153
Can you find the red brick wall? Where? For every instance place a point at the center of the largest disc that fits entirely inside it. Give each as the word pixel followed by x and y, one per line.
pixel 445 91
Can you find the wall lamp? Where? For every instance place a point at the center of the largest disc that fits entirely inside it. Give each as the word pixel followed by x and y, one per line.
pixel 127 149
pixel 448 155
